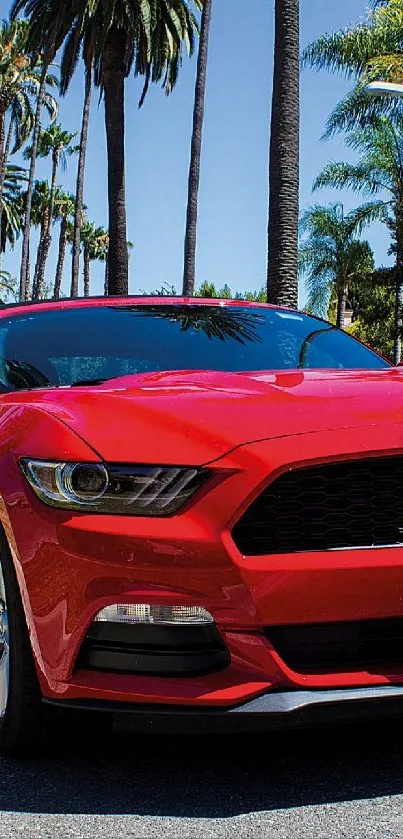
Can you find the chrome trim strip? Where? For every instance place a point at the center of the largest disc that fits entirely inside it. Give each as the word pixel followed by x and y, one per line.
pixel 296 700
pixel 360 548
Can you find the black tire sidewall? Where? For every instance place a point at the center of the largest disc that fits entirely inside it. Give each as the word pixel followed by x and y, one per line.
pixel 19 725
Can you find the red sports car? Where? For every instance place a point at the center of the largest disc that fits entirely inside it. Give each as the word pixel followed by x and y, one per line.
pixel 201 513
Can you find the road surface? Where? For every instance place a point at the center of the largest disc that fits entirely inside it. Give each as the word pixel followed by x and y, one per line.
pixel 308 785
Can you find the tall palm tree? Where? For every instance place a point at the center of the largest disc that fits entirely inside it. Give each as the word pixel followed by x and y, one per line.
pixel 27 68
pixel 332 257
pixel 282 273
pixel 368 51
pixel 24 274
pixel 41 218
pixel 145 36
pixel 65 212
pixel 20 81
pixel 79 202
pixel 13 65
pixel 379 171
pixel 58 143
pixel 189 272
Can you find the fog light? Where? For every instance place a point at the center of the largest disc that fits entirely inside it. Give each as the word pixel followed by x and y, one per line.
pixel 144 613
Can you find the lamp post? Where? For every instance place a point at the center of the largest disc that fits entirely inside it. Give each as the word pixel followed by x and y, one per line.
pixel 377 89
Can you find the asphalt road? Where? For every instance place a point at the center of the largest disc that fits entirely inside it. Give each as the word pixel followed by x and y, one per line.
pixel 338 782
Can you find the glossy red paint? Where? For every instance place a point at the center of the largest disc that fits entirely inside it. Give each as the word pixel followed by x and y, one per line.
pixel 197 417
pixel 248 428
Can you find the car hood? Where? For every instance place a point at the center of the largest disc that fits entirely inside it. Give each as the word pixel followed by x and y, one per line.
pixel 196 417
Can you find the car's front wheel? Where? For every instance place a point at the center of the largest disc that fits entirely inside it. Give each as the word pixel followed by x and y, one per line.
pixel 21 707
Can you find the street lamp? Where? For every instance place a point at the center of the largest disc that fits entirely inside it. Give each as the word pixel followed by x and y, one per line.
pixel 377 89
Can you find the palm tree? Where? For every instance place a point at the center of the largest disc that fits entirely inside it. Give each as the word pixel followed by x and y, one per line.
pixel 365 52
pixel 41 204
pixel 58 143
pixel 104 251
pixel 79 202
pixel 24 274
pixel 379 170
pixel 95 242
pixel 141 35
pixel 20 81
pixel 332 257
pixel 282 275
pixel 65 211
pixel 27 70
pixel 39 219
pixel 189 275
pixel 11 207
pixel 13 65
pixel 7 285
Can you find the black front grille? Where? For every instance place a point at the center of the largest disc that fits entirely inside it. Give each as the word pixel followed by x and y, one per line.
pixel 349 645
pixel 356 503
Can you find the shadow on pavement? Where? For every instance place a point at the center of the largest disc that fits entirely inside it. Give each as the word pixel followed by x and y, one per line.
pixel 207 777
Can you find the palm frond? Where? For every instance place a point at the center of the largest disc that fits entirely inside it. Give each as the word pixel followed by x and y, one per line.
pixel 331 255
pixel 154 34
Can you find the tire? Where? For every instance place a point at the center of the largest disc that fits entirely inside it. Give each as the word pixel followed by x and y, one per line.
pixel 21 709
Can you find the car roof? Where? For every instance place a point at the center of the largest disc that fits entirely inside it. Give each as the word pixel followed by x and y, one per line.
pixel 7 309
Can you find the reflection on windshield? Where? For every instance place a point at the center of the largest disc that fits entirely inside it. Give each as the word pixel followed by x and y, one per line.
pixel 21 375
pixel 221 323
pixel 307 344
pixel 91 344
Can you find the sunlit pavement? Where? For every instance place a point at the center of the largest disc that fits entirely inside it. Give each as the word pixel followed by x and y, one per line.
pixel 333 782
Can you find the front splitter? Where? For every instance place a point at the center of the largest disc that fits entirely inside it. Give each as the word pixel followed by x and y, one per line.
pixel 274 710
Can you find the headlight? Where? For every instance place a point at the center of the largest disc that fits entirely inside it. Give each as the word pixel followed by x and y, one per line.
pixel 113 489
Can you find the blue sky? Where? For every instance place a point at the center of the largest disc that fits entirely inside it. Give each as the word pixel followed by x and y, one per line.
pixel 233 200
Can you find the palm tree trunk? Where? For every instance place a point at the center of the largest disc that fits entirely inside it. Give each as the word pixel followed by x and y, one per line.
pixel 47 238
pixel 86 271
pixel 35 285
pixel 5 148
pixel 78 218
pixel 397 343
pixel 29 265
pixel 6 156
pixel 61 258
pixel 341 307
pixel 189 272
pixel 24 286
pixel 2 141
pixel 106 284
pixel 114 86
pixel 282 274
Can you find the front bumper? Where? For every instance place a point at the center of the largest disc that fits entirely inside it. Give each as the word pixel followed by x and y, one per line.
pixel 272 711
pixel 71 567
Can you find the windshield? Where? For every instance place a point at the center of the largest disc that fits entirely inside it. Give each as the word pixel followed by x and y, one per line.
pixel 74 345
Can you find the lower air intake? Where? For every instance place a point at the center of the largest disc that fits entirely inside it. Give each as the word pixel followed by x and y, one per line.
pixel 344 646
pixel 157 650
